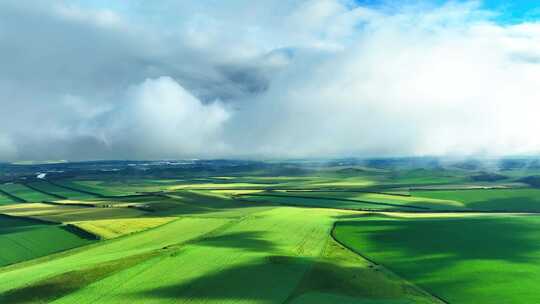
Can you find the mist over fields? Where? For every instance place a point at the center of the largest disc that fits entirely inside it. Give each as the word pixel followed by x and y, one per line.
pixel 265 79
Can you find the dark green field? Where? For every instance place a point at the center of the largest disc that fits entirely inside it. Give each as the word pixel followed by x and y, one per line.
pixel 22 240
pixel 526 199
pixel 484 259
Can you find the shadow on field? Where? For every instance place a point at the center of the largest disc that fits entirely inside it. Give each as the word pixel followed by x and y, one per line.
pixel 253 241
pixel 51 288
pixel 191 203
pixel 278 279
pixel 464 260
pixel 442 241
pixel 511 204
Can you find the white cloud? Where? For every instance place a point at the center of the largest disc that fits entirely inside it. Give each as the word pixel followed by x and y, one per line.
pixel 8 151
pixel 295 78
pixel 161 119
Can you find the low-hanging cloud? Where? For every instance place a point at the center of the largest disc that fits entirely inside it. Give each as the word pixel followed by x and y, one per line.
pixel 309 78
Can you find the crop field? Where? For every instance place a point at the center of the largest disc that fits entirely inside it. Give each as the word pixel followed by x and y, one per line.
pixel 339 235
pixel 22 240
pixel 24 193
pixel 484 259
pixel 112 228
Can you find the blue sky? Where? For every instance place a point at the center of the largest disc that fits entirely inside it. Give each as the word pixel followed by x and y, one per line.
pixel 509 12
pixel 515 11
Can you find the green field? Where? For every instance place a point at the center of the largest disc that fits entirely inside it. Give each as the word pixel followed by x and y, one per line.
pixel 56 190
pixel 25 193
pixel 521 199
pixel 93 187
pixel 483 259
pixel 22 240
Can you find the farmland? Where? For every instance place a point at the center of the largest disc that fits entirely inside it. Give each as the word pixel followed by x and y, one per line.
pixel 326 235
pixel 23 193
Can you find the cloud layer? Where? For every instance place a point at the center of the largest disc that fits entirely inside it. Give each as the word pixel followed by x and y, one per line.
pixel 264 79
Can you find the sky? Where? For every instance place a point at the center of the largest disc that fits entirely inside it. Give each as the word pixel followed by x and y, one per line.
pixel 83 80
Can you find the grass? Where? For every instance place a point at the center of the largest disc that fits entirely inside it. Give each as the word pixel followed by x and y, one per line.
pixel 525 199
pixel 26 193
pixel 463 260
pixel 22 240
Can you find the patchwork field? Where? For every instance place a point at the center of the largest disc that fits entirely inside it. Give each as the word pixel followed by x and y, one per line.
pixel 24 193
pixel 209 262
pixel 339 235
pixel 47 187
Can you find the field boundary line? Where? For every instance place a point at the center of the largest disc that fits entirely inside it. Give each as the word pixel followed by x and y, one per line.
pixel 43 191
pixel 419 288
pixel 14 197
pixel 75 189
